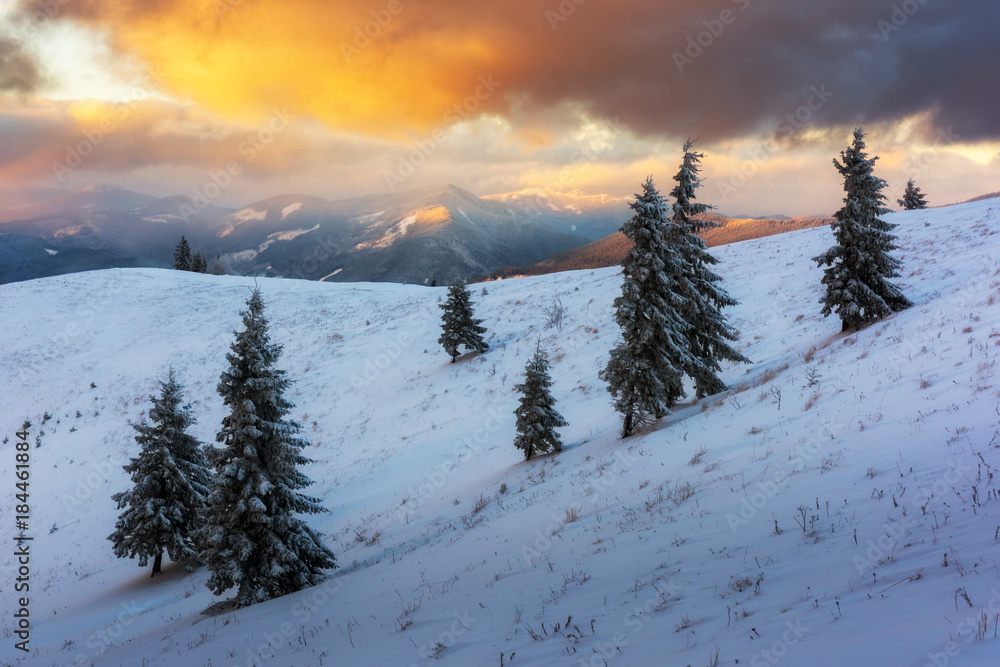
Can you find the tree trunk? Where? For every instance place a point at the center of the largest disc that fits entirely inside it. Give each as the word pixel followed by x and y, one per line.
pixel 156 564
pixel 627 426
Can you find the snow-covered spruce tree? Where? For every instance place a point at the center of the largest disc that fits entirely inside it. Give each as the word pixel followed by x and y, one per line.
pixel 645 370
pixel 458 324
pixel 252 538
pixel 198 263
pixel 182 256
pixel 859 265
pixel 537 417
pixel 170 475
pixel 913 199
pixel 709 332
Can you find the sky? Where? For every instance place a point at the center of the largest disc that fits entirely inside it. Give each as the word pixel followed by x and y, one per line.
pixel 355 97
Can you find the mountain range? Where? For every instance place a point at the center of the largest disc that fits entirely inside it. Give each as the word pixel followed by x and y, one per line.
pixel 437 233
pixel 610 250
pixel 414 237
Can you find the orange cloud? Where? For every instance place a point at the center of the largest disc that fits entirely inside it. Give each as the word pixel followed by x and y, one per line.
pixel 398 68
pixel 54 140
pixel 380 69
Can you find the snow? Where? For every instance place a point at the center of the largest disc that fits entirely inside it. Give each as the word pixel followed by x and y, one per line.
pixel 69 231
pixel 240 217
pixel 283 236
pixel 331 275
pixel 248 214
pixel 162 218
pixel 292 233
pixel 368 218
pixel 574 201
pixel 51 252
pixel 395 232
pixel 291 208
pixel 891 445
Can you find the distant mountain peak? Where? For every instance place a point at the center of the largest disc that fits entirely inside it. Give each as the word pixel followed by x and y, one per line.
pixel 572 201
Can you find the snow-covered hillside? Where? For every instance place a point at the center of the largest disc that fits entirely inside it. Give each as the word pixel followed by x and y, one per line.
pixel 851 522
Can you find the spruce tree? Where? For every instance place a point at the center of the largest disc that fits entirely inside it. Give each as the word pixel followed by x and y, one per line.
pixel 458 324
pixel 182 256
pixel 170 475
pixel 198 264
pixel 913 199
pixel 709 332
pixel 537 418
pixel 252 537
pixel 859 265
pixel 645 370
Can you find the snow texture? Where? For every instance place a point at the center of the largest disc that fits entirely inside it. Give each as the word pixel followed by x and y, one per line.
pixel 885 439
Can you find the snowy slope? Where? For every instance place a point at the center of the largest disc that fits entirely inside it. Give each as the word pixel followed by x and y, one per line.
pixel 656 559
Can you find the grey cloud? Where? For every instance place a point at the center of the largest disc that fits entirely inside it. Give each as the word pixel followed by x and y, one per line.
pixel 19 73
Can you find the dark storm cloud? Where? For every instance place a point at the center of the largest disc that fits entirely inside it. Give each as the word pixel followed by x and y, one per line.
pixel 19 73
pixel 715 68
pixel 663 69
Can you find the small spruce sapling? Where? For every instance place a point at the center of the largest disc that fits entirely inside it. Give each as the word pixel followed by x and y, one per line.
pixel 913 199
pixel 182 255
pixel 537 417
pixel 458 323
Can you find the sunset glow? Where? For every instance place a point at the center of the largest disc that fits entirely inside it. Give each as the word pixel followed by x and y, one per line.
pixel 494 98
